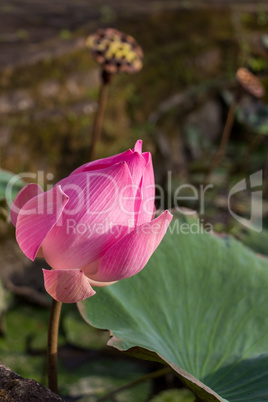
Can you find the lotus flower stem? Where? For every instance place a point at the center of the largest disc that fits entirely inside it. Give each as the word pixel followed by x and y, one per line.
pixel 52 345
pixel 106 79
pixel 224 142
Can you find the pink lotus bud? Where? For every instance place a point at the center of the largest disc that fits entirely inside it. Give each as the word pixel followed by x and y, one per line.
pixel 94 227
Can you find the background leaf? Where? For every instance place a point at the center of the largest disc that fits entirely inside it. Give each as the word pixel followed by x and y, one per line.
pixel 15 183
pixel 257 241
pixel 200 304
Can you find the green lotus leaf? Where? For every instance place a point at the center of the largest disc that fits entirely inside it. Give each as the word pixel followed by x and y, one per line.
pixel 254 117
pixel 10 185
pixel 264 40
pixel 201 306
pixel 257 241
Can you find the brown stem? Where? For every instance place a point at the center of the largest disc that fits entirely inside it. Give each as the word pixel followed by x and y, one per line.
pixel 223 144
pixel 103 96
pixel 52 345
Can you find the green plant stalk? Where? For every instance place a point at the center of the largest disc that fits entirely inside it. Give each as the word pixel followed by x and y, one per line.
pixel 52 345
pixel 98 123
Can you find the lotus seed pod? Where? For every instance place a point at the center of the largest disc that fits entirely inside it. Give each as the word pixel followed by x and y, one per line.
pixel 250 82
pixel 115 51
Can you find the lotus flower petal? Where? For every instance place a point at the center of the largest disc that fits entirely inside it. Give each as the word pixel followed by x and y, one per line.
pixel 67 286
pixel 147 207
pixel 24 195
pixel 111 160
pixel 37 217
pixel 130 254
pixel 103 163
pixel 138 147
pixel 99 213
pixel 136 164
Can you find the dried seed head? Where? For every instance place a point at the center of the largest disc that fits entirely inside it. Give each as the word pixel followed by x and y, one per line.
pixel 250 82
pixel 115 51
